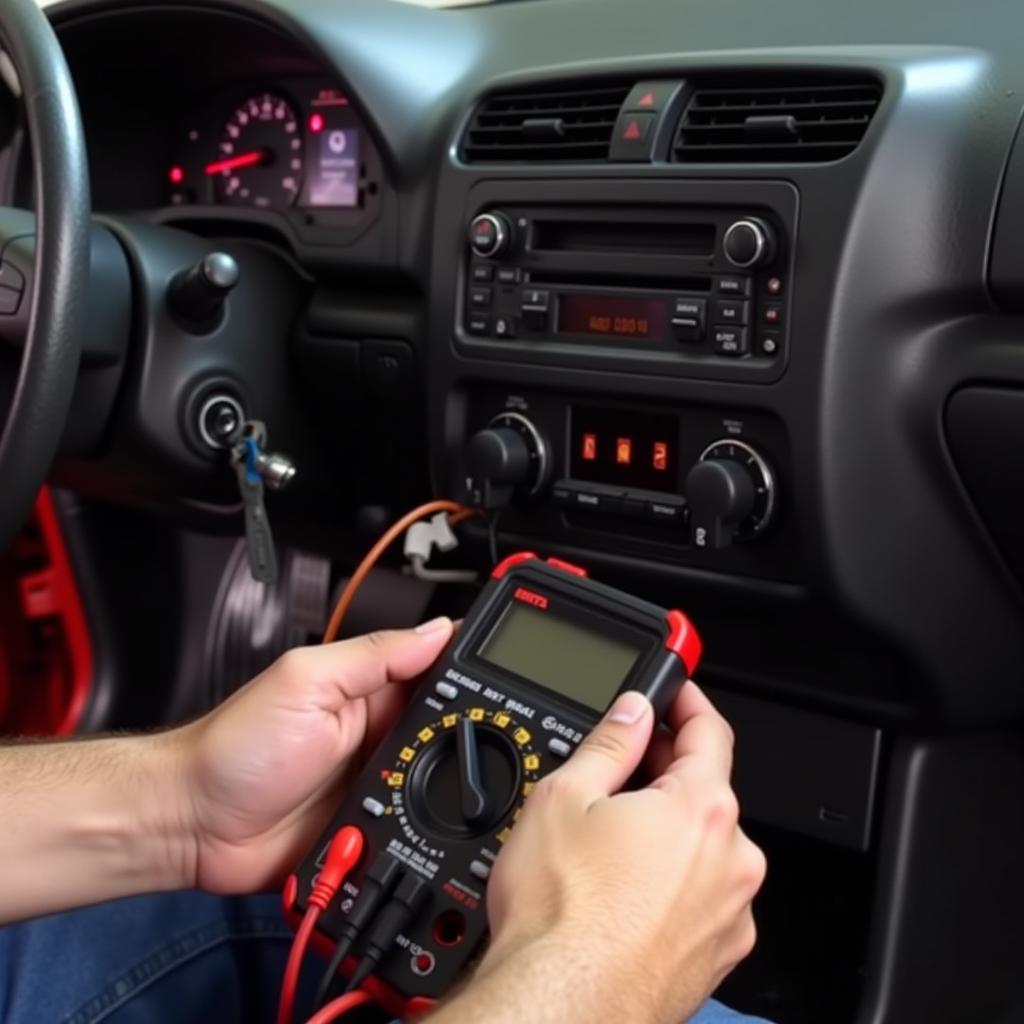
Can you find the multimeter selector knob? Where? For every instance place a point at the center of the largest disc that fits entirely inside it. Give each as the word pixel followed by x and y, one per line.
pixel 508 459
pixel 465 782
pixel 731 494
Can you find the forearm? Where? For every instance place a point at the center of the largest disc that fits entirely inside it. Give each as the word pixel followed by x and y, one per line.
pixel 548 980
pixel 93 820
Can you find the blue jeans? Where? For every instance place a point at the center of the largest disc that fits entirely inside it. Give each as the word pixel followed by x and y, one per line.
pixel 178 957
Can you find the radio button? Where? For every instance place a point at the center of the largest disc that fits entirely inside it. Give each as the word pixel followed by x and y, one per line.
pixel 771 342
pixel 483 272
pixel 772 314
pixel 734 285
pixel 559 747
pixel 731 311
pixel 687 328
pixel 508 275
pixel 504 327
pixel 478 324
pixel 480 298
pixel 697 308
pixel 535 308
pixel 446 691
pixel 731 341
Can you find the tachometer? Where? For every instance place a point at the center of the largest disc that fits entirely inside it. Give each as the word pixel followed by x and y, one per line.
pixel 260 155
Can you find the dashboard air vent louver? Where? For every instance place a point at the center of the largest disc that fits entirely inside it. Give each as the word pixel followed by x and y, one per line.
pixel 763 120
pixel 572 122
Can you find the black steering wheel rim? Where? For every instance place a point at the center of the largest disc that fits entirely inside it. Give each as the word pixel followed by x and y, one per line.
pixel 42 397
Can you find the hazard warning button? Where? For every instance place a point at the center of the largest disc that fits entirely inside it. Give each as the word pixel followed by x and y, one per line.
pixel 653 96
pixel 634 136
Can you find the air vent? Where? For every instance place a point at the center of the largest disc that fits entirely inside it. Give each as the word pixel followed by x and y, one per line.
pixel 549 124
pixel 772 120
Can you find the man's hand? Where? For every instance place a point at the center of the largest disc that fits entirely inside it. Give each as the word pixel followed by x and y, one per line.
pixel 263 772
pixel 621 907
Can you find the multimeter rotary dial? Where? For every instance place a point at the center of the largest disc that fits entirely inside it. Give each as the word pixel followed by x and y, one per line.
pixel 463 775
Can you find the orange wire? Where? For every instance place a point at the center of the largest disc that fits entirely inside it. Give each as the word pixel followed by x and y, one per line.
pixel 457 514
pixel 334 1009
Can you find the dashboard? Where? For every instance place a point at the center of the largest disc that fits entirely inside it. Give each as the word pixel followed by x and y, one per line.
pixel 722 300
pixel 690 254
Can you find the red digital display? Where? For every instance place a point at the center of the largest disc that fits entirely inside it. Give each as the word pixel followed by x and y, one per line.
pixel 613 316
pixel 624 448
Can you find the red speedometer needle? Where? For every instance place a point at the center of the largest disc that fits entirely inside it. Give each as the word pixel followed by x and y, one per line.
pixel 257 156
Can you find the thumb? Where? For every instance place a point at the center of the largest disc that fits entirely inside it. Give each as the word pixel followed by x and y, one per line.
pixel 356 668
pixel 613 751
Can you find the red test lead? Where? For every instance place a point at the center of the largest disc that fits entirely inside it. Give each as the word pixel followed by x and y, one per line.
pixel 342 856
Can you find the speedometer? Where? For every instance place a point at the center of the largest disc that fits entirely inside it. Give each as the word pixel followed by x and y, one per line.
pixel 259 160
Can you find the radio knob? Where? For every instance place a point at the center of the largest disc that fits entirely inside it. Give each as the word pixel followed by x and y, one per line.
pixel 731 494
pixel 510 456
pixel 490 235
pixel 749 243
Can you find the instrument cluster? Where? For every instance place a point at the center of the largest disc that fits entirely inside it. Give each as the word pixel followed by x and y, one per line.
pixel 294 147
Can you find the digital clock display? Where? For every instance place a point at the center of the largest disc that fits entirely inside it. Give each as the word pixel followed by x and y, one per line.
pixel 613 316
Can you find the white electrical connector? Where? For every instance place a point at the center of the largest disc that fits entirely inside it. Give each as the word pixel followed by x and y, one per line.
pixel 420 541
pixel 421 538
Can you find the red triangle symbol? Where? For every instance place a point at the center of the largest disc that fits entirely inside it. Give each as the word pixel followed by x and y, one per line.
pixel 647 100
pixel 632 131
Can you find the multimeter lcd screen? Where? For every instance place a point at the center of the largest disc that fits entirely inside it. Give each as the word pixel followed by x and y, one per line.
pixel 576 662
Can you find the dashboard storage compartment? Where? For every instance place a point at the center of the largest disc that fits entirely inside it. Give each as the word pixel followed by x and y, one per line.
pixel 802 771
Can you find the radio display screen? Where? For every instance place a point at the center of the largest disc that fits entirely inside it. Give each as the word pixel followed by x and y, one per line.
pixel 610 316
pixel 586 665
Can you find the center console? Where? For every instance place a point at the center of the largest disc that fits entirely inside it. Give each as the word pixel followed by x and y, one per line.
pixel 570 298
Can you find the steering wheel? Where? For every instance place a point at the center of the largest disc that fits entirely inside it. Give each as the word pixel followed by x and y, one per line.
pixel 52 341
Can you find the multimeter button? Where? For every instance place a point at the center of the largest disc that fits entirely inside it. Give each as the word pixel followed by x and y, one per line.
pixel 559 747
pixel 373 807
pixel 446 690
pixel 478 869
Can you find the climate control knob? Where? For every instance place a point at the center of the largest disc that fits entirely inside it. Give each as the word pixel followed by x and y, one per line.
pixel 490 235
pixel 731 494
pixel 749 243
pixel 507 459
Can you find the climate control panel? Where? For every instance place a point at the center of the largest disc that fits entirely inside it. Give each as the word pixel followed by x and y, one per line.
pixel 685 485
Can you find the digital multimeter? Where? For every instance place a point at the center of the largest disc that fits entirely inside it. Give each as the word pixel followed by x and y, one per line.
pixel 541 655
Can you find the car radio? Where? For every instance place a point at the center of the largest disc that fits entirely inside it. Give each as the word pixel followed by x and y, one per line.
pixel 666 284
pixel 542 653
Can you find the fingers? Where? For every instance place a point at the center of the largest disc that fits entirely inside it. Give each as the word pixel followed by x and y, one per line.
pixel 702 734
pixel 335 673
pixel 612 752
